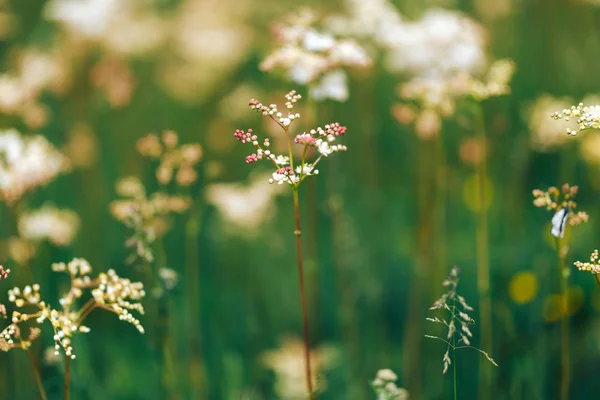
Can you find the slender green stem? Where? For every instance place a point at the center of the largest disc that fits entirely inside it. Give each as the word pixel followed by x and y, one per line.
pixel 483 266
pixel 38 377
pixel 454 346
pixel 298 234
pixel 67 377
pixel 440 210
pixel 597 279
pixel 564 323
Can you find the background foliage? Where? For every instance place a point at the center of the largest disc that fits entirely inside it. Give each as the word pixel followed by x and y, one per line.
pixel 374 264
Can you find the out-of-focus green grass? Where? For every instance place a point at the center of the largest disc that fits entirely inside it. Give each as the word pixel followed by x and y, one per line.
pixel 238 293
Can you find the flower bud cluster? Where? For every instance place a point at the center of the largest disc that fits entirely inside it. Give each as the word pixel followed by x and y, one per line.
pixel 320 138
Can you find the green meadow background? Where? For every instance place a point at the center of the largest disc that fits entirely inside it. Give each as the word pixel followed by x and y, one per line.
pixel 375 253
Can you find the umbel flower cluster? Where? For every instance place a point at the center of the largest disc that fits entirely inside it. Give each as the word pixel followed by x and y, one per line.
pixel 564 206
pixel 588 117
pixel 459 334
pixel 148 214
pixel 385 386
pixel 108 291
pixel 321 139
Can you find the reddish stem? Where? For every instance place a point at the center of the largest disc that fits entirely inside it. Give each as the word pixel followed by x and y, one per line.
pixel 309 386
pixel 67 376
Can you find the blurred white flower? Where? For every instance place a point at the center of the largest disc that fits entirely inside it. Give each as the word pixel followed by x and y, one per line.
pixel 439 45
pixel 365 19
pixel 27 162
pixel 315 58
pixel 333 85
pixel 245 207
pixel 89 17
pixel 547 134
pixel 288 364
pixel 59 226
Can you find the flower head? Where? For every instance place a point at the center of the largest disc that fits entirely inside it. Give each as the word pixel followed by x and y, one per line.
pixel 564 206
pixel 459 333
pixel 385 387
pixel 27 162
pixel 587 117
pixel 322 139
pixel 314 57
pixel 592 266
pixel 108 292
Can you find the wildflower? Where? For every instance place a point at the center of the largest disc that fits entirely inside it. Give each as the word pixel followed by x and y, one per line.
pixel 315 58
pixel 546 134
pixel 564 207
pixel 592 266
pixel 458 323
pixel 146 214
pixel 587 117
pixel 320 138
pixel 4 273
pixel 439 45
pixel 232 202
pixel 178 162
pixel 59 226
pixel 108 291
pixel 385 387
pixel 27 163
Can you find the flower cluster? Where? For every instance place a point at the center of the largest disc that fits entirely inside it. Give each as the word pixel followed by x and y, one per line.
pixel 588 117
pixel 59 226
pixel 27 162
pixel 439 45
pixel 147 215
pixel 441 95
pixel 108 291
pixel 231 199
pixel 562 202
pixel 593 266
pixel 30 74
pixel 173 160
pixel 3 275
pixel 321 138
pixel 458 308
pixel 545 133
pixel 385 386
pixel 315 58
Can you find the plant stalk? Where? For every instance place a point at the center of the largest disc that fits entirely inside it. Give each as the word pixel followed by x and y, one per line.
pixel 38 377
pixel 564 323
pixel 298 234
pixel 483 265
pixel 454 347
pixel 67 377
